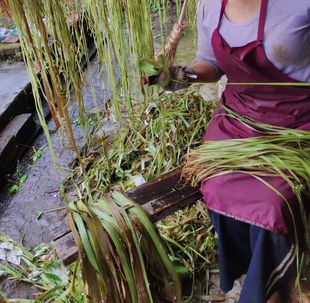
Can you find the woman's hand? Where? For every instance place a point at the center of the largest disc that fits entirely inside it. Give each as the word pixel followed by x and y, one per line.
pixel 177 77
pixel 174 78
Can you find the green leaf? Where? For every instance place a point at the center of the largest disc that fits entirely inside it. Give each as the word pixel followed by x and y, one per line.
pixel 23 178
pixel 149 69
pixel 14 189
pixel 54 278
pixel 39 214
pixel 180 269
pixel 37 153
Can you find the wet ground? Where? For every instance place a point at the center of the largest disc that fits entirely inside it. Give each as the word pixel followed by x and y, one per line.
pixel 40 191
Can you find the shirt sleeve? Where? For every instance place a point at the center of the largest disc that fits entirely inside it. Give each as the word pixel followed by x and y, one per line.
pixel 205 31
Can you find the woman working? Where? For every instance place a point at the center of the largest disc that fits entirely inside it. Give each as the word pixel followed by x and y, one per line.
pixel 253 41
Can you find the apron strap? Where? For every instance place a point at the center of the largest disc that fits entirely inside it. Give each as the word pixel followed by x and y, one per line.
pixel 262 20
pixel 224 3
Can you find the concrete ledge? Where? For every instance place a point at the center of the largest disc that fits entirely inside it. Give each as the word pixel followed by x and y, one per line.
pixel 9 50
pixel 15 92
pixel 18 133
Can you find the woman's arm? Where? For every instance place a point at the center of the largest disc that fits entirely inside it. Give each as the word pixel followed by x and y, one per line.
pixel 205 65
pixel 205 71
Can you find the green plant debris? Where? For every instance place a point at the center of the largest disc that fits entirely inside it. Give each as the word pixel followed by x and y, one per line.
pixel 17 180
pixel 40 213
pixel 155 144
pixel 191 239
pixel 37 153
pixel 41 268
pixel 19 177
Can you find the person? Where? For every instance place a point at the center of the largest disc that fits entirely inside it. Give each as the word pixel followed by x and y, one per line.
pixel 252 41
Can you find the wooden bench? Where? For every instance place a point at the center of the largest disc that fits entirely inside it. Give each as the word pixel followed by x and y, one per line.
pixel 159 198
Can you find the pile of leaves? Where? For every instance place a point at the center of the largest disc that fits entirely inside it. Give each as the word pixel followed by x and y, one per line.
pixel 191 239
pixel 156 143
pixel 124 259
pixel 40 268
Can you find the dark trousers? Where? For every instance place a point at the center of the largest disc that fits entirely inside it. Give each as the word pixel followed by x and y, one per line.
pixel 267 259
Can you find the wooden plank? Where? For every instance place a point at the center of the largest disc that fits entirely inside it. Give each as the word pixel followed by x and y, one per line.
pixel 164 195
pixel 66 249
pixel 59 229
pixel 152 194
pixel 157 188
pixel 171 202
pixel 159 198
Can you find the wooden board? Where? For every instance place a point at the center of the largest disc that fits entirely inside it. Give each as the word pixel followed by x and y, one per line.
pixel 159 198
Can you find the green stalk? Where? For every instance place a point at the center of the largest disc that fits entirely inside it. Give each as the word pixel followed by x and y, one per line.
pixel 148 225
pixel 116 237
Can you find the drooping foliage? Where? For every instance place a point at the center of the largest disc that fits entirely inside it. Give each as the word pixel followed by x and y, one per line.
pixel 55 34
pixel 123 258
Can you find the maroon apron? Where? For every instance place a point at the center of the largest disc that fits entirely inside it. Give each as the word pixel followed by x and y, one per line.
pixel 237 195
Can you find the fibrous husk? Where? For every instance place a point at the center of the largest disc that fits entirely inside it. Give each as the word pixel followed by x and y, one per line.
pixel 5 9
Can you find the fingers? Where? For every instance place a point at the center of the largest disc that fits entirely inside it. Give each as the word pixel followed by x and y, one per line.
pixel 174 78
pixel 175 85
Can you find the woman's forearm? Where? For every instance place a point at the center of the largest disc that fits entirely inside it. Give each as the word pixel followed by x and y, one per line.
pixel 205 71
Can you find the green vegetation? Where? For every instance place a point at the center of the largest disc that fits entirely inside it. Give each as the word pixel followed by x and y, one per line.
pixel 42 269
pixel 17 180
pixel 19 177
pixel 122 253
pixel 153 133
pixel 156 143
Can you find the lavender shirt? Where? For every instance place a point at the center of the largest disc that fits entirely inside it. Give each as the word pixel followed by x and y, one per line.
pixel 286 38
